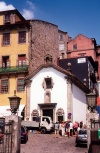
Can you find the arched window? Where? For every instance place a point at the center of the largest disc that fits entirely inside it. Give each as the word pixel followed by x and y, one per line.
pixel 48 58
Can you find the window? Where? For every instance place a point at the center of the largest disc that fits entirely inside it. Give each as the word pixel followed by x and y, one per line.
pixel 60 37
pixel 21 60
pixel 45 119
pixel 5 61
pixel 22 37
pixel 47 83
pixel 82 54
pixel 20 84
pixel 6 39
pixel 48 58
pixel 74 46
pixel 7 18
pixel 4 86
pixel 61 47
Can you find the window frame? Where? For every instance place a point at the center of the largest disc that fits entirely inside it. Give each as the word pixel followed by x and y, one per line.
pixel 21 37
pixel 74 46
pixel 5 62
pixel 3 88
pixel 48 82
pixel 21 60
pixel 20 85
pixel 60 37
pixel 6 39
pixel 7 18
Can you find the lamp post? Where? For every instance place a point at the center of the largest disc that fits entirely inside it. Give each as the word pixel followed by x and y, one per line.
pixel 91 101
pixel 14 103
pixel 69 67
pixel 91 114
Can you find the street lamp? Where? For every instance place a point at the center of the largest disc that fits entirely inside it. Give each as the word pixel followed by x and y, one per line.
pixel 69 67
pixel 14 103
pixel 91 101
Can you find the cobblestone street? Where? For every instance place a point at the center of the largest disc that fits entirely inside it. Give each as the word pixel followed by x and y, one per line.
pixel 46 143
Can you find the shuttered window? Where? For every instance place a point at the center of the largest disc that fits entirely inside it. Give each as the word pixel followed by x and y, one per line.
pixel 20 84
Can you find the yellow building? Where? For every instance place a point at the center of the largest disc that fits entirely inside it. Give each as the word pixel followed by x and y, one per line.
pixel 14 44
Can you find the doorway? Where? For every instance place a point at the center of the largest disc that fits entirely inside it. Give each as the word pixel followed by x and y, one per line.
pixel 48 112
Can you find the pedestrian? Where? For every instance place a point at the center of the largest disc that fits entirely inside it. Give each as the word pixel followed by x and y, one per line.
pixel 78 128
pixel 71 128
pixel 68 129
pixel 63 128
pixel 75 126
pixel 56 127
pixel 60 130
pixel 81 124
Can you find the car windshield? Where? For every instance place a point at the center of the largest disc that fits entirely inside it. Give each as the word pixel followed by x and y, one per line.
pixel 83 132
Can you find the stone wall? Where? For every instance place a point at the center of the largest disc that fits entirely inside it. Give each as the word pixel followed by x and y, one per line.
pixel 43 41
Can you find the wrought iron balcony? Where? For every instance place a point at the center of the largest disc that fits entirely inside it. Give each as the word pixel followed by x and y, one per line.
pixel 14 69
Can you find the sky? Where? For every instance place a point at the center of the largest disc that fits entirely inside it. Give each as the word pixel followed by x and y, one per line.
pixel 72 16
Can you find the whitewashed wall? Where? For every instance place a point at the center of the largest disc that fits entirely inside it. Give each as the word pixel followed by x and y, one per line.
pixel 79 104
pixel 58 92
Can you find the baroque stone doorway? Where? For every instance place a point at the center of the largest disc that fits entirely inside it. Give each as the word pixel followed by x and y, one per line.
pixel 48 112
pixel 48 109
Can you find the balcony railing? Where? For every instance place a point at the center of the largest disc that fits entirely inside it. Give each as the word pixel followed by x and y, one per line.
pixel 14 69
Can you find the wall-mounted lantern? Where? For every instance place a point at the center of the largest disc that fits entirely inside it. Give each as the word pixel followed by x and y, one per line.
pixel 91 101
pixel 69 67
pixel 14 103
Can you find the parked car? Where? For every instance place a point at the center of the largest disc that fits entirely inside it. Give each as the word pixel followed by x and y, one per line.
pixel 24 134
pixel 81 137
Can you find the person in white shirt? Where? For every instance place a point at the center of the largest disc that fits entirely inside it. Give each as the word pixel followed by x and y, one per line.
pixel 71 128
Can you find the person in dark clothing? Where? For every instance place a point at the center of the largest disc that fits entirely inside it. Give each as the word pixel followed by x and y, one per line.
pixel 56 127
pixel 81 124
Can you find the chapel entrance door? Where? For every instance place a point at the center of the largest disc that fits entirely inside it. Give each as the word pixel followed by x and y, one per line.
pixel 48 112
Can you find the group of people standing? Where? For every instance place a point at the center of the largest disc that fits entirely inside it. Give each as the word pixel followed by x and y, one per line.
pixel 67 128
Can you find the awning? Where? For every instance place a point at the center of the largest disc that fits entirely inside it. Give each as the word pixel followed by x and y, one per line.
pixel 5 110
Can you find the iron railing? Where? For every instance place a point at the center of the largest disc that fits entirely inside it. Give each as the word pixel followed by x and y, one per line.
pixel 95 123
pixel 6 141
pixel 12 69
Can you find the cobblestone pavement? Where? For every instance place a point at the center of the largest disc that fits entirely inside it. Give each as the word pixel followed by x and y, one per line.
pixel 46 143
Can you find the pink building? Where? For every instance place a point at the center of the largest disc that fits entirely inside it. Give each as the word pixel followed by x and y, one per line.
pixel 82 46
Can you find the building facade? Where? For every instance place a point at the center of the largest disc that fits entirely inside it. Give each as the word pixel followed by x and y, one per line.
pixel 25 43
pixel 82 46
pixel 53 91
pixel 14 43
pixel 83 68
